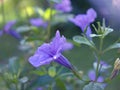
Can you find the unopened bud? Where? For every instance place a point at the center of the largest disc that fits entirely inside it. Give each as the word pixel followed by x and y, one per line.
pixel 116 68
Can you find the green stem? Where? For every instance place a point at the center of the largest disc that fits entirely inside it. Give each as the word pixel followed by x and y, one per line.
pixel 97 69
pixel 50 87
pixel 76 73
pixel 22 86
pixel 3 12
pixel 101 44
pixel 99 58
pixel 16 86
pixel 49 24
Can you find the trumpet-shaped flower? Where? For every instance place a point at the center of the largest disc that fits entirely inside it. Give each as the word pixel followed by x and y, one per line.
pixel 49 52
pixel 7 30
pixel 64 6
pixel 38 22
pixel 84 20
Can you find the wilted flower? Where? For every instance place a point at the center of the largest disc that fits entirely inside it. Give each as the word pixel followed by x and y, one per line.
pixel 7 29
pixel 64 6
pixel 49 52
pixel 92 76
pixel 116 68
pixel 38 22
pixel 84 20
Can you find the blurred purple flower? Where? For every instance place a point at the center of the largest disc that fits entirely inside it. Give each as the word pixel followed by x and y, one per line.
pixel 84 20
pixel 40 88
pixel 38 22
pixel 103 66
pixel 7 29
pixel 92 76
pixel 64 6
pixel 49 52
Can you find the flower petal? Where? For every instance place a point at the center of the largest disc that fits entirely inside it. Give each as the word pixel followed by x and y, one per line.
pixel 38 22
pixel 91 15
pixel 64 6
pixel 40 59
pixel 14 34
pixel 8 25
pixel 91 75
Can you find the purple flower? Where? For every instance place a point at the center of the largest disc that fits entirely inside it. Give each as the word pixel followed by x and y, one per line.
pixel 49 52
pixel 84 20
pixel 103 66
pixel 7 29
pixel 40 88
pixel 64 6
pixel 92 76
pixel 38 22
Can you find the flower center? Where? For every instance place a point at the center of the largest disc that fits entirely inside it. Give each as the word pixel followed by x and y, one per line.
pixel 54 57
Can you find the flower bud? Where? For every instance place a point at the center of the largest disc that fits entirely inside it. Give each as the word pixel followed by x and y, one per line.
pixel 116 68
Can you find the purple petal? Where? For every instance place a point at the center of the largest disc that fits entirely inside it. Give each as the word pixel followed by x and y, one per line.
pixel 59 44
pixel 84 20
pixel 91 15
pixel 38 22
pixel 40 88
pixel 88 32
pixel 91 75
pixel 40 59
pixel 64 6
pixel 67 46
pixel 8 25
pixel 14 34
pixel 100 79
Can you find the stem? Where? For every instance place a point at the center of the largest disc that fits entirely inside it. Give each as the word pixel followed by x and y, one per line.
pixel 22 86
pixel 50 87
pixel 3 12
pixel 99 58
pixel 97 69
pixel 16 86
pixel 75 72
pixel 101 44
pixel 49 24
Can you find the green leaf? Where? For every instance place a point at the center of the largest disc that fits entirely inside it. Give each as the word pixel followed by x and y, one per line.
pixel 40 81
pixel 114 46
pixel 38 72
pixel 52 71
pixel 83 40
pixel 24 28
pixel 94 86
pixel 13 65
pixel 60 84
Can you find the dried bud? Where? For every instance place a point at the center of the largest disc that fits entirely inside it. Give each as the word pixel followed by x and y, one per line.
pixel 116 68
pixel 117 64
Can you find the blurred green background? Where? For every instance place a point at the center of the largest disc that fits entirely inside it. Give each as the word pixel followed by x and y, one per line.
pixel 81 57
